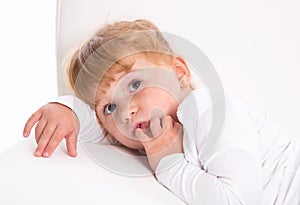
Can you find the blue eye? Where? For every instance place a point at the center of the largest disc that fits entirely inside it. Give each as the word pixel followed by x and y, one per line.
pixel 134 85
pixel 109 108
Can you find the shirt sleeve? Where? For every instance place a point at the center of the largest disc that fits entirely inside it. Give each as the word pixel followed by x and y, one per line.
pixel 90 130
pixel 231 178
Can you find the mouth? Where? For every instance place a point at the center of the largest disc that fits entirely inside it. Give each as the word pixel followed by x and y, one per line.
pixel 141 125
pixel 145 126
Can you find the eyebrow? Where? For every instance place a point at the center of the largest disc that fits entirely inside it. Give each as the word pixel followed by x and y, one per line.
pixel 128 63
pixel 119 67
pixel 100 100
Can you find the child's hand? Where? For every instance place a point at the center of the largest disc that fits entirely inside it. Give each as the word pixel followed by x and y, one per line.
pixel 167 139
pixel 54 123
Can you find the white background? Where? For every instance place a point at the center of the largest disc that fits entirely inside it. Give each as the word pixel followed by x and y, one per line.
pixel 28 75
pixel 254 45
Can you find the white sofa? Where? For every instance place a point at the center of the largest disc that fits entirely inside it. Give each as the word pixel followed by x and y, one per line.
pixel 61 179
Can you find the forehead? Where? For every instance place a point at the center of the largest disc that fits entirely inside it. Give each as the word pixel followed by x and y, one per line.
pixel 149 76
pixel 126 65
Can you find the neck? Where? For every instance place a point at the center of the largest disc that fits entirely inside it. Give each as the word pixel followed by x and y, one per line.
pixel 185 92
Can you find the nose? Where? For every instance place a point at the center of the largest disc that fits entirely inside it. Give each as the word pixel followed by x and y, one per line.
pixel 129 112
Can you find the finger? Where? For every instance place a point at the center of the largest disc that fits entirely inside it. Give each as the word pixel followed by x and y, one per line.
pixel 39 130
pixel 71 141
pixel 44 139
pixel 167 122
pixel 177 126
pixel 34 118
pixel 155 126
pixel 54 141
pixel 142 137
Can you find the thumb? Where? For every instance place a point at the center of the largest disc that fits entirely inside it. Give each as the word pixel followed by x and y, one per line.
pixel 141 136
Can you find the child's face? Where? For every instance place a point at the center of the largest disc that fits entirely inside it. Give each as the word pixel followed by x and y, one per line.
pixel 147 91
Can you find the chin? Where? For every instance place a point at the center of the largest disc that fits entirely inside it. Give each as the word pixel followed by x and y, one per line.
pixel 137 146
pixel 133 144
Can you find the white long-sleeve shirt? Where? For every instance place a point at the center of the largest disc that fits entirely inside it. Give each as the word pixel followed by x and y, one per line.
pixel 254 162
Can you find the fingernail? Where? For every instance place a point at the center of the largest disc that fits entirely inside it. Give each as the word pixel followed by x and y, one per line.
pixel 37 153
pixel 46 154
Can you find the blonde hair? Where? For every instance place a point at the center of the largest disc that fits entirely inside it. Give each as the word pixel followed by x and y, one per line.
pixel 100 57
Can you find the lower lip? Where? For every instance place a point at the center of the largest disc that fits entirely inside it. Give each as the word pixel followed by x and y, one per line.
pixel 143 126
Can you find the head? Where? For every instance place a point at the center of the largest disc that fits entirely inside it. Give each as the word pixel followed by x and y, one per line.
pixel 129 74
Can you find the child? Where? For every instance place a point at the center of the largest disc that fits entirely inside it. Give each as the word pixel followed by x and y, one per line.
pixel 142 95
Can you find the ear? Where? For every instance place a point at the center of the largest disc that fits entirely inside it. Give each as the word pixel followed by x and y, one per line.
pixel 182 71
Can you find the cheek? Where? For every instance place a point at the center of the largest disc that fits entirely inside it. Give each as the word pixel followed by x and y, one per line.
pixel 130 143
pixel 110 126
pixel 107 123
pixel 154 96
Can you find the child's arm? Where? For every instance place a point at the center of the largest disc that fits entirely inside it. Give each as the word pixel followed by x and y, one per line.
pixel 56 121
pixel 232 177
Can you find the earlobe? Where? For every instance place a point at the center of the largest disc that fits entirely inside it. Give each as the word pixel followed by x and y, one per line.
pixel 183 83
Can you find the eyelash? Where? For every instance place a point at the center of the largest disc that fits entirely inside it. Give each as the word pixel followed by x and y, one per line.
pixel 106 106
pixel 134 83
